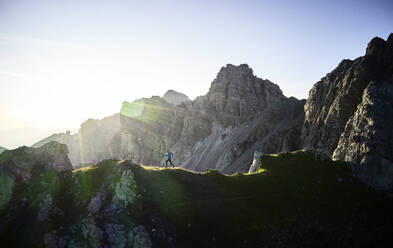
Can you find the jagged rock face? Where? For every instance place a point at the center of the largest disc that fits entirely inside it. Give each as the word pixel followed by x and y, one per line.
pixel 255 162
pixel 25 164
pixel 367 141
pixel 91 142
pixel 72 209
pixel 240 113
pixel 175 98
pixel 247 114
pixel 51 156
pixel 334 99
pixel 236 95
pixel 151 126
pixel 274 129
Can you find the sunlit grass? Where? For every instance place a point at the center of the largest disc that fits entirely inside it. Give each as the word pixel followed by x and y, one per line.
pixel 83 169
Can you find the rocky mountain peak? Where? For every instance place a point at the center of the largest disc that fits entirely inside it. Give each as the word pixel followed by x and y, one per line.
pixel 390 39
pixel 236 94
pixel 233 70
pixel 375 47
pixel 378 47
pixel 175 97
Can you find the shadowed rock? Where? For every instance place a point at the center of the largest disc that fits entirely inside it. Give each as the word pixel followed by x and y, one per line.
pixel 334 99
pixel 367 141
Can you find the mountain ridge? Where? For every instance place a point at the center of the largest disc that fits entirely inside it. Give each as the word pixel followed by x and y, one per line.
pixel 242 113
pixel 121 204
pixel 235 98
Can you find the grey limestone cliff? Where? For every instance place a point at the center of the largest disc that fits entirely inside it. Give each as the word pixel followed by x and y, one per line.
pixel 348 114
pixel 367 141
pixel 334 99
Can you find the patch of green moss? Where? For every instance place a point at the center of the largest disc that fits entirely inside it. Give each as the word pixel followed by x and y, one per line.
pixel 40 186
pixel 87 180
pixel 6 189
pixel 165 193
pixel 22 155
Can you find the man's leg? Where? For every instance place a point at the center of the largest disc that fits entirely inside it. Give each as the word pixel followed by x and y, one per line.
pixel 166 163
pixel 170 161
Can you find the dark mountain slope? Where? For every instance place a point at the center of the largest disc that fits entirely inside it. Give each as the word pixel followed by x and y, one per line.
pixel 295 200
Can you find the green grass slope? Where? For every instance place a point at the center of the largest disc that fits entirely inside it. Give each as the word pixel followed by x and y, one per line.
pixel 295 200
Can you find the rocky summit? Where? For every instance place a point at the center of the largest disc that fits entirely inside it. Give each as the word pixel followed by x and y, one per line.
pixel 175 98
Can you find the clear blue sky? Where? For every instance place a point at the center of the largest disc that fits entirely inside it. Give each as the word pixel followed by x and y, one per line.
pixel 62 62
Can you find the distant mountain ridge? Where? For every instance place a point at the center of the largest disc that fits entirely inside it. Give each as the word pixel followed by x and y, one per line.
pixel 242 113
pixel 90 143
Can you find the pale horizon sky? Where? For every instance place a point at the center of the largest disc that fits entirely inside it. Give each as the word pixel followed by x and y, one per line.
pixel 62 62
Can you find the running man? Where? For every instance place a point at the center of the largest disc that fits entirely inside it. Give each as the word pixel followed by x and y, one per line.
pixel 170 156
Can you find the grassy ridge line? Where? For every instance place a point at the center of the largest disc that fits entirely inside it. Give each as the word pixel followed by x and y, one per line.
pixel 295 198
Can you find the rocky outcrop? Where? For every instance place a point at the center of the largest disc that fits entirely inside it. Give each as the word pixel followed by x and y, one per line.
pixel 274 129
pixel 334 99
pixel 255 162
pixel 57 208
pixel 25 164
pixel 367 141
pixel 51 156
pixel 175 98
pixel 91 142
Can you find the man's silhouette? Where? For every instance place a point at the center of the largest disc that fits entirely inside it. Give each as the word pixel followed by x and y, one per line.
pixel 170 156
